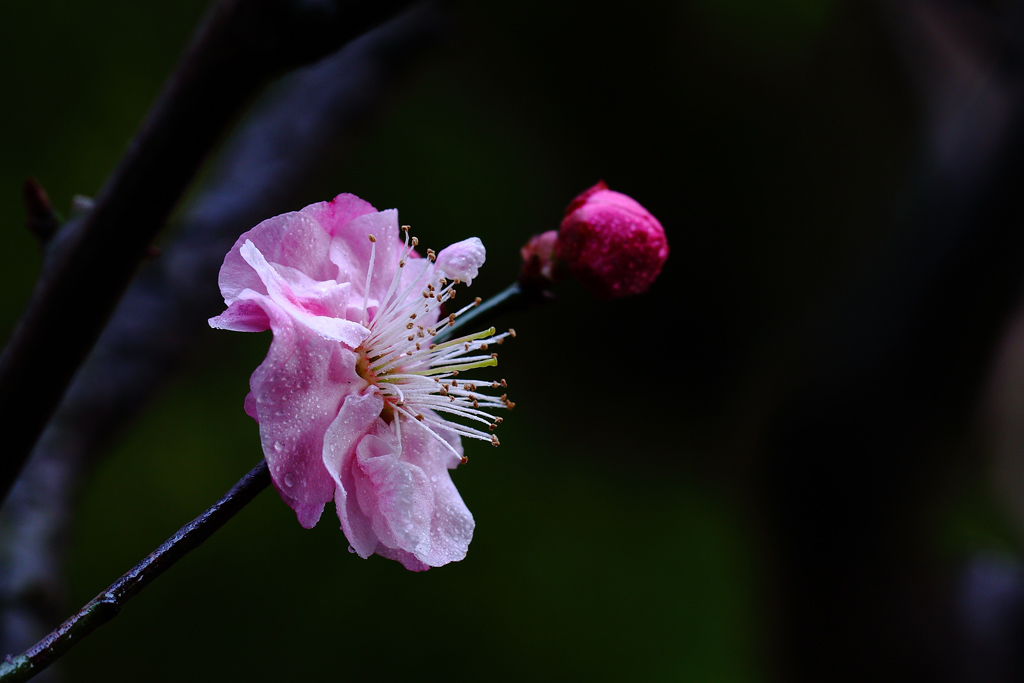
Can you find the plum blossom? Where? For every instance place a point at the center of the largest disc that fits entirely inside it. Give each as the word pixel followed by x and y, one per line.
pixel 611 243
pixel 355 397
pixel 607 240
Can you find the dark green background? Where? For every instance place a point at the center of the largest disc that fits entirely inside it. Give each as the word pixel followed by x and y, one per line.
pixel 614 536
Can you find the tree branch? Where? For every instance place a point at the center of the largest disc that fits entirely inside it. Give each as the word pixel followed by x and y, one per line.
pixel 240 46
pixel 262 171
pixel 891 370
pixel 108 604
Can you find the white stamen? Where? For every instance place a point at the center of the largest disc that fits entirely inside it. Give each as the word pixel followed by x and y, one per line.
pixel 369 275
pixel 418 379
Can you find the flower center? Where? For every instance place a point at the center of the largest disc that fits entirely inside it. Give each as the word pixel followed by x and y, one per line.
pixel 363 366
pixel 421 380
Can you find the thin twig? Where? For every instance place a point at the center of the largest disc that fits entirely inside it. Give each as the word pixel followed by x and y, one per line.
pixel 42 221
pixel 108 604
pixel 515 297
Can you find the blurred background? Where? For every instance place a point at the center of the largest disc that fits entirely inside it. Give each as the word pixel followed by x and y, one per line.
pixel 798 457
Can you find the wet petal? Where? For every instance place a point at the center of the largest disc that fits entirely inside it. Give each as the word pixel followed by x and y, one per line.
pixel 358 415
pixel 397 496
pixel 452 524
pixel 243 315
pixel 297 392
pixel 305 300
pixel 293 239
pixel 463 259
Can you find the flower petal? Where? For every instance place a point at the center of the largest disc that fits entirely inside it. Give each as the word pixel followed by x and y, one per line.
pixel 358 414
pixel 243 315
pixel 462 259
pixel 339 212
pixel 452 524
pixel 313 305
pixel 350 252
pixel 292 239
pixel 396 495
pixel 395 499
pixel 408 560
pixel 297 392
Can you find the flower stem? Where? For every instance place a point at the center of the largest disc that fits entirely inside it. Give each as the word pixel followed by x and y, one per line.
pixel 107 604
pixel 515 297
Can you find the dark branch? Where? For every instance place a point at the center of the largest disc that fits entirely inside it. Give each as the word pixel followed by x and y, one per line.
pixel 892 372
pixel 241 45
pixel 262 171
pixel 107 604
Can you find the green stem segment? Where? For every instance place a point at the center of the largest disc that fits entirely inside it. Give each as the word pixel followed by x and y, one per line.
pixel 107 604
pixel 514 297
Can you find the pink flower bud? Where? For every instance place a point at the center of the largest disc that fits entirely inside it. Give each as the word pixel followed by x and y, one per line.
pixel 614 246
pixel 539 268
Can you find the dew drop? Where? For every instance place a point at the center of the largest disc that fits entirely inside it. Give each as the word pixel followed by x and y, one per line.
pixel 278 446
pixel 352 550
pixel 289 480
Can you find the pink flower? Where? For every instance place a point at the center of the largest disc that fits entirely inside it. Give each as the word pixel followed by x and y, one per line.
pixel 351 395
pixel 614 246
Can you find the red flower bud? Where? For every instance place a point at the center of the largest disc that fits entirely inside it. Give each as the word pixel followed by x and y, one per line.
pixel 614 246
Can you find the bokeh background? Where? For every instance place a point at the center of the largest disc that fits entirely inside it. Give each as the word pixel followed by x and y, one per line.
pixel 698 484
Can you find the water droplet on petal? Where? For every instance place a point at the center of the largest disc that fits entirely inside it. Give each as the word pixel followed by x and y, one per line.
pixel 352 550
pixel 289 480
pixel 278 446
